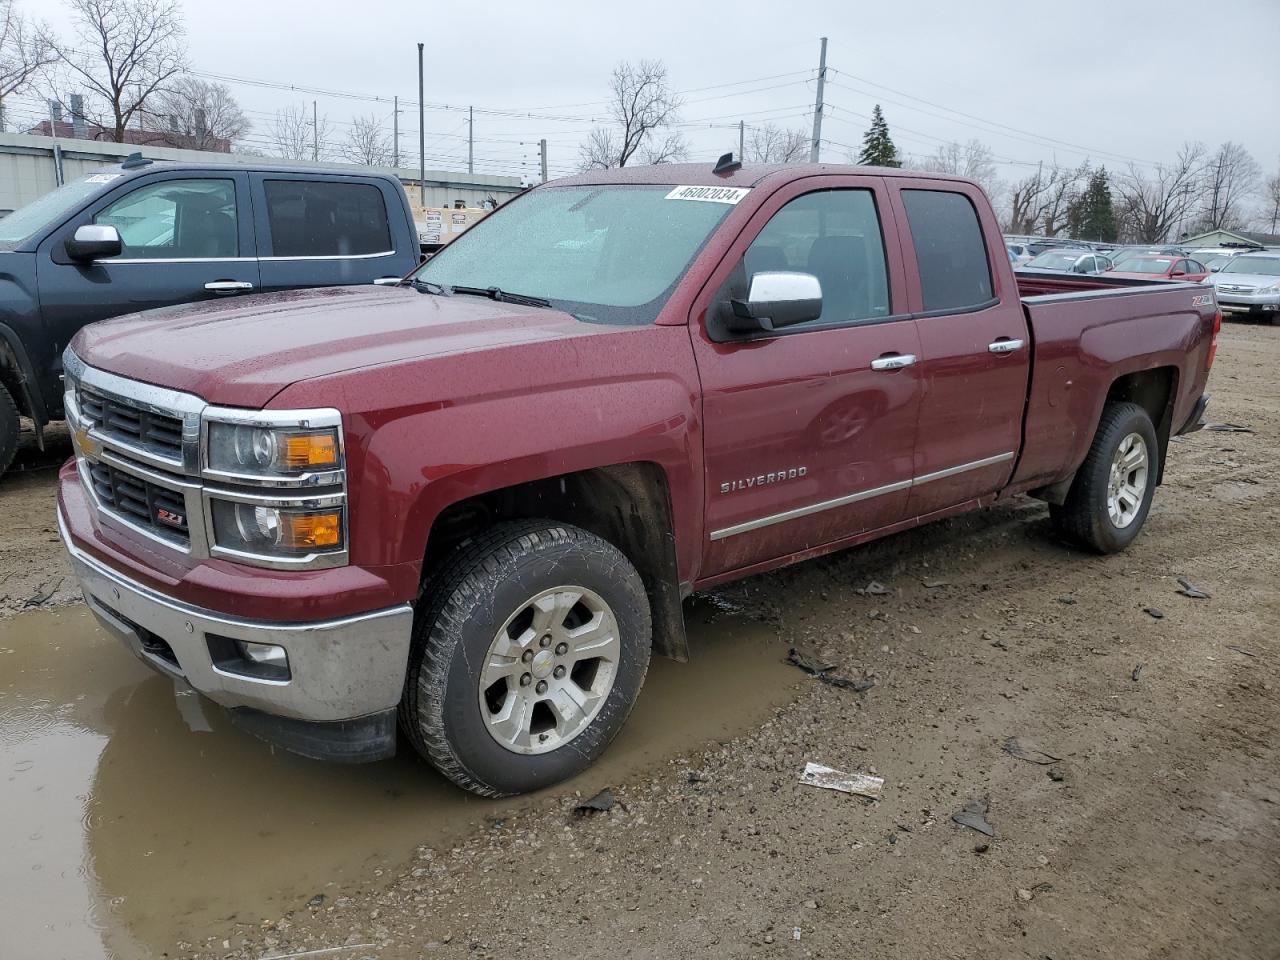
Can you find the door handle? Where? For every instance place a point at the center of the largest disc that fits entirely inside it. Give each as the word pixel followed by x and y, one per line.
pixel 895 362
pixel 228 286
pixel 1005 345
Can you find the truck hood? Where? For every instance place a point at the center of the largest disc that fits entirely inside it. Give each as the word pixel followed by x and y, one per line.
pixel 243 352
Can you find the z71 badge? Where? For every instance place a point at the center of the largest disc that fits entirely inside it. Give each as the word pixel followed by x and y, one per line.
pixel 764 479
pixel 1202 300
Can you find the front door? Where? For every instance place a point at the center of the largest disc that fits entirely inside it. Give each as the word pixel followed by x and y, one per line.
pixel 186 238
pixel 809 432
pixel 974 346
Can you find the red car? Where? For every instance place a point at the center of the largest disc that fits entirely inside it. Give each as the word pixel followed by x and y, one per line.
pixel 474 502
pixel 1153 266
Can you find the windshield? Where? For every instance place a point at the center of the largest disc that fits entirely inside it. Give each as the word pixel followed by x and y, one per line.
pixel 1145 265
pixel 607 253
pixel 50 208
pixel 1266 266
pixel 1051 260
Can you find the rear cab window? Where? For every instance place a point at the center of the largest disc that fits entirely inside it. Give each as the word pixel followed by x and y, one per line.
pixel 311 218
pixel 951 251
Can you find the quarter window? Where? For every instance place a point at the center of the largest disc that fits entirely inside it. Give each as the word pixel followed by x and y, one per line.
pixel 951 253
pixel 308 218
pixel 834 235
pixel 176 219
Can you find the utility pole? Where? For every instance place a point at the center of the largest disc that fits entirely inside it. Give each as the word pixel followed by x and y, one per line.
pixel 542 146
pixel 471 139
pixel 315 133
pixel 742 139
pixel 817 107
pixel 422 138
pixel 395 133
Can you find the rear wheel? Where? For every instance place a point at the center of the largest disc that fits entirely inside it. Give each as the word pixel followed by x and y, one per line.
pixel 8 428
pixel 1109 500
pixel 527 658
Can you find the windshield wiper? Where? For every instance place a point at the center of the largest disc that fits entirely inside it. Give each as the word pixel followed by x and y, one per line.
pixel 502 296
pixel 427 286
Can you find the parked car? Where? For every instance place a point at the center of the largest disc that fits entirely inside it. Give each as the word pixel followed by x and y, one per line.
pixel 1250 285
pixel 1157 266
pixel 1205 253
pixel 1120 254
pixel 1068 260
pixel 1018 253
pixel 148 234
pixel 476 501
pixel 1037 247
pixel 1216 262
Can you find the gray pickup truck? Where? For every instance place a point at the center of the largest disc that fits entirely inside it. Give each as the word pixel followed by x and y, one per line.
pixel 144 234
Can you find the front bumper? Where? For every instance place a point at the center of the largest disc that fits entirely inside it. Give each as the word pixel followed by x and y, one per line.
pixel 339 671
pixel 1248 303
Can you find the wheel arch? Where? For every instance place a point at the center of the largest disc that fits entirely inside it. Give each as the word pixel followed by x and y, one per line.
pixel 1154 390
pixel 627 504
pixel 18 376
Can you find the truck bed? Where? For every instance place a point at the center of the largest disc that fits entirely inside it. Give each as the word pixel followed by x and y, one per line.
pixel 1087 332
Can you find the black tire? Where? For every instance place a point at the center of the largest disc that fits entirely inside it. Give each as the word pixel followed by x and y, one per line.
pixel 471 596
pixel 9 427
pixel 1084 518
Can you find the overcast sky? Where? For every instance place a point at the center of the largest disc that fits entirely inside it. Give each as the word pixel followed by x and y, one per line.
pixel 1109 82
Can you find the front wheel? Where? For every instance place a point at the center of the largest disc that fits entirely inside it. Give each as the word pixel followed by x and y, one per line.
pixel 527 657
pixel 1109 500
pixel 9 427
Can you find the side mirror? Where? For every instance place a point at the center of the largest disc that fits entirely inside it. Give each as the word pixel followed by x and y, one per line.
pixel 94 241
pixel 1214 269
pixel 776 299
pixel 1178 273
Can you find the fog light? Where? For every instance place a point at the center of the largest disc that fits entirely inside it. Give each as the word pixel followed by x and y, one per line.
pixel 267 654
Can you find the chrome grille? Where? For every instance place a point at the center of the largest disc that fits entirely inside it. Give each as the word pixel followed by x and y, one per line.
pixel 123 421
pixel 141 502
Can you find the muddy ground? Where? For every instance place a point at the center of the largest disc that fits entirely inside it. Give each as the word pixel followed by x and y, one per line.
pixel 1155 834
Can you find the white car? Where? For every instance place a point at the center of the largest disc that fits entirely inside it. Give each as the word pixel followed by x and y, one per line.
pixel 1249 285
pixel 1069 260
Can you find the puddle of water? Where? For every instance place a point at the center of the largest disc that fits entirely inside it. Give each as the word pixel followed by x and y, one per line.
pixel 125 831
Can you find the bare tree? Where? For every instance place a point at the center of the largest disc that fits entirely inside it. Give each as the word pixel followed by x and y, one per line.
pixel 1231 176
pixel 295 136
pixel 973 160
pixel 1271 211
pixel 773 144
pixel 200 115
pixel 367 143
pixel 642 106
pixel 125 52
pixel 24 49
pixel 1040 203
pixel 672 148
pixel 1154 206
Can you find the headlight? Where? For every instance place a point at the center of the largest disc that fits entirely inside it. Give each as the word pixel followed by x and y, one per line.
pixel 275 494
pixel 1273 288
pixel 277 530
pixel 253 450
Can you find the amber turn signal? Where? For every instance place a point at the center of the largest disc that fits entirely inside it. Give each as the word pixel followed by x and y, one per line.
pixel 303 450
pixel 308 531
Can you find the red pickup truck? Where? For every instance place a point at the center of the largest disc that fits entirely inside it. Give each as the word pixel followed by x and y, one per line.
pixel 474 502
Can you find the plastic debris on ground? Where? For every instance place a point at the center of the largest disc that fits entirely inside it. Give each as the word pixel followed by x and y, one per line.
pixel 828 778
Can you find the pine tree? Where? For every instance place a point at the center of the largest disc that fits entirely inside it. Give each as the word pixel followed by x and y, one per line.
pixel 877 148
pixel 1091 215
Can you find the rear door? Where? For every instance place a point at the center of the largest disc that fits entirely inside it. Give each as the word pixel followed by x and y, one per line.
pixel 806 442
pixel 974 346
pixel 187 236
pixel 319 230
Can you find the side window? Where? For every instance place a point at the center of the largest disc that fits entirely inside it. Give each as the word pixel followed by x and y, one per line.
pixel 950 250
pixel 176 219
pixel 308 218
pixel 834 235
pixel 1195 266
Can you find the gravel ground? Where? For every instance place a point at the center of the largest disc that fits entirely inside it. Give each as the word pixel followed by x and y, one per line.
pixel 1154 834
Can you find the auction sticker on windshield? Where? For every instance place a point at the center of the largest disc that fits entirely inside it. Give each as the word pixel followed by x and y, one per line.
pixel 709 194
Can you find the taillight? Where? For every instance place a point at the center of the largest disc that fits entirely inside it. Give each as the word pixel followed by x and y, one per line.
pixel 1213 342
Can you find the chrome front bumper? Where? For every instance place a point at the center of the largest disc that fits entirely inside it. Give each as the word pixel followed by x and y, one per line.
pixel 338 669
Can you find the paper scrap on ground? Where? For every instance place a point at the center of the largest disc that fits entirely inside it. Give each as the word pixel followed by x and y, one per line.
pixel 864 785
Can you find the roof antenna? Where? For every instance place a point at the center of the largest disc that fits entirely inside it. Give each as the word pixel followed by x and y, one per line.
pixel 726 164
pixel 134 160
